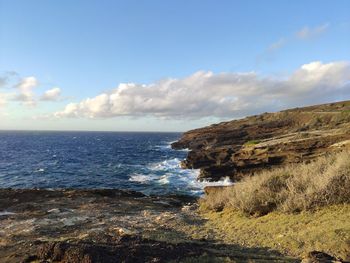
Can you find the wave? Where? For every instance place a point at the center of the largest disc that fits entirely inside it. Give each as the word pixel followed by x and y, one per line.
pixel 170 164
pixel 169 174
pixel 163 147
pixel 142 178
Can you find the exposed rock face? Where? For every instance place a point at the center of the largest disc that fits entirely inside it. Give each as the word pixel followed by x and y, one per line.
pixel 240 147
pixel 110 225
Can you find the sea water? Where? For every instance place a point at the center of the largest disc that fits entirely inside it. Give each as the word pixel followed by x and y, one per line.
pixel 142 162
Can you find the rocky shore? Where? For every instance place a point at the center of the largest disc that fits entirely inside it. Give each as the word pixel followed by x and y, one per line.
pixel 111 226
pixel 241 147
pixel 256 145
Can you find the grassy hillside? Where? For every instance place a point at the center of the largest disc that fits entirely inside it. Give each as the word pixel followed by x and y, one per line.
pixel 326 229
pixel 295 209
pixel 293 188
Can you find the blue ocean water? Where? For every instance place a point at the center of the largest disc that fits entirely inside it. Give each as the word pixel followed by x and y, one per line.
pixel 138 161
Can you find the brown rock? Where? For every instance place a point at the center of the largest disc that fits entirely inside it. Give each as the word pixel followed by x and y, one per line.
pixel 320 257
pixel 240 147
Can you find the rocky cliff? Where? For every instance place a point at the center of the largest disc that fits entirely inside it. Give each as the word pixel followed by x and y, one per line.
pixel 240 147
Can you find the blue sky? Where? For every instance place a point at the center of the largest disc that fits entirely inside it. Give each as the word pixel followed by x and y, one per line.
pixel 166 65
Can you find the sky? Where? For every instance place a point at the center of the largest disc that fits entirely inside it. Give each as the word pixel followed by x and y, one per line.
pixel 160 65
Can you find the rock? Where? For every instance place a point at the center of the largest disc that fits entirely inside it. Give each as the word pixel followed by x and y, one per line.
pixel 54 210
pixel 240 147
pixel 319 257
pixel 111 229
pixel 189 207
pixel 146 213
pixel 128 249
pixel 124 231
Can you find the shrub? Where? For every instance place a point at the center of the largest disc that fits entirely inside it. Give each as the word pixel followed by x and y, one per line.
pixel 294 188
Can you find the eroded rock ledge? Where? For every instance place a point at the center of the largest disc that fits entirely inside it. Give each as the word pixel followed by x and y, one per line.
pixel 240 147
pixel 110 225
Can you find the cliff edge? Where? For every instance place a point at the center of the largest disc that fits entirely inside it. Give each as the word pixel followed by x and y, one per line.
pixel 240 147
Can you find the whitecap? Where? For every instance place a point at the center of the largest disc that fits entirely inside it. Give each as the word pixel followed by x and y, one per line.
pixel 223 182
pixel 141 178
pixel 163 147
pixel 164 179
pixel 170 164
pixel 170 173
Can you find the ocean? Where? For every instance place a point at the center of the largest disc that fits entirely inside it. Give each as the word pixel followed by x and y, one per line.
pixel 137 161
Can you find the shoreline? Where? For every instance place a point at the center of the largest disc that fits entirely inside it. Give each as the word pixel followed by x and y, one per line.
pixel 110 225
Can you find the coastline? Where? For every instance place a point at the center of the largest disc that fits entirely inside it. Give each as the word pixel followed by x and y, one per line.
pixel 106 225
pixel 110 225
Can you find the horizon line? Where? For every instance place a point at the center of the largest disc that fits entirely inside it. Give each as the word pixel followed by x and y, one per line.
pixel 111 131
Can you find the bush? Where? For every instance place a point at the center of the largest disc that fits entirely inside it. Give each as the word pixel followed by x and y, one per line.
pixel 294 188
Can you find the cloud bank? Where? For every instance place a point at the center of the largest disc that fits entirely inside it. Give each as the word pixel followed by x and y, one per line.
pixel 205 94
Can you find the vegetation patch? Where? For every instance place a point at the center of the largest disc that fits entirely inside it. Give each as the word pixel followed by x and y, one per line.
pixel 252 142
pixel 326 229
pixel 291 189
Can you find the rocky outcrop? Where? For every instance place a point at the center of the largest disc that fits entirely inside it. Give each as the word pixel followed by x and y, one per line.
pixel 240 147
pixel 110 225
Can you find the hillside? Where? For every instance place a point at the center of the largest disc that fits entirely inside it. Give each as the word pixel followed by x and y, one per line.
pixel 240 147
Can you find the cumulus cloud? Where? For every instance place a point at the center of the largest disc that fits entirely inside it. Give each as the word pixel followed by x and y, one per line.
pixel 25 88
pixel 51 94
pixel 13 87
pixel 311 32
pixel 205 94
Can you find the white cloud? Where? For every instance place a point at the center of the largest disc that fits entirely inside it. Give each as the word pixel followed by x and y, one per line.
pixel 277 45
pixel 51 94
pixel 3 99
pixel 205 94
pixel 15 88
pixel 305 33
pixel 2 82
pixel 311 32
pixel 25 88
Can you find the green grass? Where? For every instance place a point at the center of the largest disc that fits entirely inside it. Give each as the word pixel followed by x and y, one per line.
pixel 252 142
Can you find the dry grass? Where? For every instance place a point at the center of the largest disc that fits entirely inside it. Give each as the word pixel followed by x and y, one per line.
pixel 294 188
pixel 326 229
